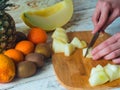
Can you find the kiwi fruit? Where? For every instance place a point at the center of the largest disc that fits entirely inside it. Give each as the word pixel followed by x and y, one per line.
pixel 20 36
pixel 26 69
pixel 37 58
pixel 44 49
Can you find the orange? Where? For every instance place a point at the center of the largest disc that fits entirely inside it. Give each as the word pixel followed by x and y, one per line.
pixel 25 47
pixel 16 55
pixel 7 69
pixel 37 35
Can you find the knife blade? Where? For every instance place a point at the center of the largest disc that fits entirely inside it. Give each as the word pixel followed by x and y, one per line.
pixel 92 42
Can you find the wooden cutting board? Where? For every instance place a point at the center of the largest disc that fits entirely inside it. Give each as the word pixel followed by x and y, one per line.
pixel 73 72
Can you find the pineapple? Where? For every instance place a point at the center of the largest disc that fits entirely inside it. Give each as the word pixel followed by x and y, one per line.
pixel 7 27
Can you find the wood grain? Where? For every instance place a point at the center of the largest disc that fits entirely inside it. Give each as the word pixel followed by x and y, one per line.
pixel 73 71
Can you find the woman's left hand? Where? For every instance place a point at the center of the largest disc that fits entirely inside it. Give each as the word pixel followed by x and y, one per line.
pixel 109 49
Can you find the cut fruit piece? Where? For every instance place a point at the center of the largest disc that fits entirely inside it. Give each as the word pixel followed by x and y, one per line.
pixel 84 44
pixel 89 55
pixel 97 68
pixel 60 34
pixel 69 49
pixel 112 71
pixel 98 76
pixel 51 17
pixel 77 43
pixel 58 46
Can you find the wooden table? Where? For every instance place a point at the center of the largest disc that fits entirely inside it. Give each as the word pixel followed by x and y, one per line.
pixel 81 20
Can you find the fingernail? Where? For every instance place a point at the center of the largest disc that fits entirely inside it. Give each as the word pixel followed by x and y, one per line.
pixel 117 61
pixel 107 58
pixel 93 32
pixel 114 61
pixel 92 52
pixel 94 58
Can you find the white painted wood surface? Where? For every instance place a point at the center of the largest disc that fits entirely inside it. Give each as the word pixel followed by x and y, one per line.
pixel 81 20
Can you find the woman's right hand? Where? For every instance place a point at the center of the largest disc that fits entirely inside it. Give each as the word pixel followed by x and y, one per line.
pixel 105 13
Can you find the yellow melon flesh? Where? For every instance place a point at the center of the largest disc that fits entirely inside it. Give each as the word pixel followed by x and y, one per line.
pixel 51 17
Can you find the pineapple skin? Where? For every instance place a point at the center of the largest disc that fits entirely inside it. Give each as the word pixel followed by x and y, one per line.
pixel 7 31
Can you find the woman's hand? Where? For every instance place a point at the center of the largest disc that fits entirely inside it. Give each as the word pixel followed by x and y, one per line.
pixel 109 49
pixel 105 13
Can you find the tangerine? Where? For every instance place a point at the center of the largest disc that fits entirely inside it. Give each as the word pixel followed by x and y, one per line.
pixel 25 47
pixel 16 55
pixel 7 69
pixel 37 35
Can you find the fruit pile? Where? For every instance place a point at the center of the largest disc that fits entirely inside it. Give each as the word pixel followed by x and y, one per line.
pixel 100 75
pixel 61 40
pixel 28 55
pixel 23 56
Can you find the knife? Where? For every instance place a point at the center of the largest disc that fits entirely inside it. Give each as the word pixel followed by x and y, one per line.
pixel 92 42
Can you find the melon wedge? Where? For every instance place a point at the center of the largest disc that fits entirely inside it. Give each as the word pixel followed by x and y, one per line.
pixel 51 17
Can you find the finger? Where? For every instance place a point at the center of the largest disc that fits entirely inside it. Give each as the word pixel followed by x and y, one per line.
pixel 102 20
pixel 116 60
pixel 96 16
pixel 107 50
pixel 112 55
pixel 112 17
pixel 106 43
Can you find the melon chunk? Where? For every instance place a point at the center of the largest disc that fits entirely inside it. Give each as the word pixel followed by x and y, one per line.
pixel 113 71
pixel 98 76
pixel 60 34
pixel 58 46
pixel 89 55
pixel 77 43
pixel 69 49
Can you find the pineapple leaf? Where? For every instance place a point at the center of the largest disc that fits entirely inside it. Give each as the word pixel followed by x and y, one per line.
pixel 4 4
